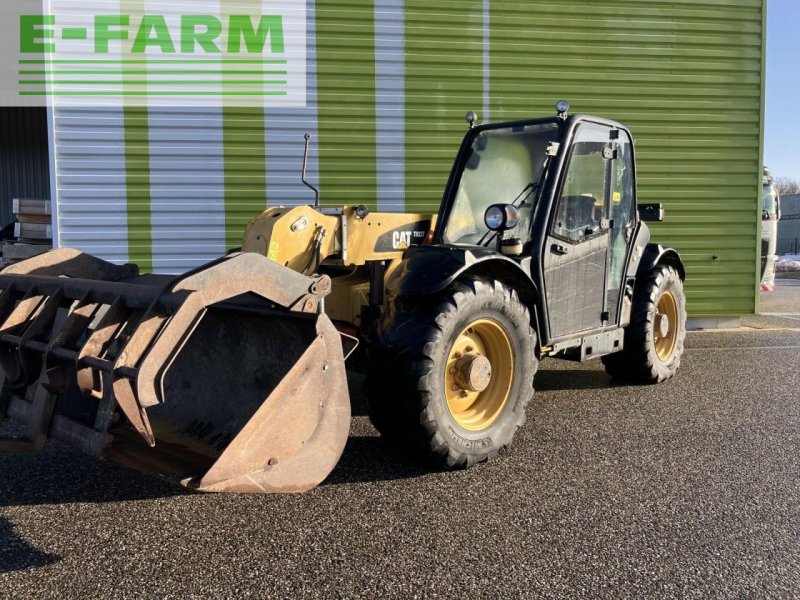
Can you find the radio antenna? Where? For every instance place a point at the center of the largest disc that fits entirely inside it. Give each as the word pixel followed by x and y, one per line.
pixel 305 165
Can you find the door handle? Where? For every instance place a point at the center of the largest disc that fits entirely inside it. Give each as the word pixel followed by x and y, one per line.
pixel 559 249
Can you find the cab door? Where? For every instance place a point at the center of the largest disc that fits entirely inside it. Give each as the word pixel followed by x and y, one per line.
pixel 623 220
pixel 576 251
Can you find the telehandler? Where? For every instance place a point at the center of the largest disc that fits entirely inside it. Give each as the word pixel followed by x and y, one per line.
pixel 231 378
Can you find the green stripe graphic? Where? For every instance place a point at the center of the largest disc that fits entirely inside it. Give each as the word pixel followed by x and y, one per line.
pixel 245 161
pixel 143 93
pixel 154 72
pixel 444 79
pixel 74 33
pixel 244 157
pixel 137 181
pixel 248 82
pixel 137 173
pixel 153 61
pixel 346 102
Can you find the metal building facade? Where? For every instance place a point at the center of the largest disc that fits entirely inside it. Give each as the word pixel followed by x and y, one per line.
pixel 24 168
pixel 389 82
pixel 789 225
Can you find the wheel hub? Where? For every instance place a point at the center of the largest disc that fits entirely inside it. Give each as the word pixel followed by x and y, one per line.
pixel 473 372
pixel 479 374
pixel 663 325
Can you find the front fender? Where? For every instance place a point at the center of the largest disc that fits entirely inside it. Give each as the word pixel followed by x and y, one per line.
pixel 656 254
pixel 427 270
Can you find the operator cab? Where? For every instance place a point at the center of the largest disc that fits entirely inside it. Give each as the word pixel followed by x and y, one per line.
pixel 557 196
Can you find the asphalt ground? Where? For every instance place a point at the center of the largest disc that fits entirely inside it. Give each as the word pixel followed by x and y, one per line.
pixel 779 308
pixel 688 489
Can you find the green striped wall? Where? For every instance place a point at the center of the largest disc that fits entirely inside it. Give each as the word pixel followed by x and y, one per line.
pixel 244 157
pixel 346 101
pixel 137 183
pixel 137 171
pixel 685 75
pixel 444 79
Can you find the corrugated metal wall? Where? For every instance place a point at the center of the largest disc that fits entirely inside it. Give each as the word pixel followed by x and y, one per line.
pixel 389 82
pixel 24 162
pixel 444 79
pixel 91 180
pixel 687 77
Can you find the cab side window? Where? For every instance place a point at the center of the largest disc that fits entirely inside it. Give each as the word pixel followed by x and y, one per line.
pixel 621 209
pixel 581 202
pixel 622 190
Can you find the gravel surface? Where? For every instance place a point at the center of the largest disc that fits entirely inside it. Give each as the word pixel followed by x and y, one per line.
pixel 689 489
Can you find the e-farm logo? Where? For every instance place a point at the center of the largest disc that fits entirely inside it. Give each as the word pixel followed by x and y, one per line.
pixel 197 32
pixel 253 54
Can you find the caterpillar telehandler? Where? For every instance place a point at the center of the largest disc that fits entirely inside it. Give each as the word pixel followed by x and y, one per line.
pixel 232 377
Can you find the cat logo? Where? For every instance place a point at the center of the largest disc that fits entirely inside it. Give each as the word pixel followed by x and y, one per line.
pixel 401 239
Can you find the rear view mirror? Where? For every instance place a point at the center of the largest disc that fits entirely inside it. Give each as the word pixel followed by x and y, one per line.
pixel 651 212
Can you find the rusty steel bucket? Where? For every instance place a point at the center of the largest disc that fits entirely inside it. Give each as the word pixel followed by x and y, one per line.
pixel 227 379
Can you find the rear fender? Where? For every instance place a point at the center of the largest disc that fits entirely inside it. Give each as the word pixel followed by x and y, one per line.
pixel 656 254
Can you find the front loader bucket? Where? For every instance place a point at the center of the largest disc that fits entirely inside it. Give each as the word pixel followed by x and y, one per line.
pixel 227 379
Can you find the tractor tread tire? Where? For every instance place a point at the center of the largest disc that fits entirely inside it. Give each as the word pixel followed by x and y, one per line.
pixel 638 361
pixel 404 387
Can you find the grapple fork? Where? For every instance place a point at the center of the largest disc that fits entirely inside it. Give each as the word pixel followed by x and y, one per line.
pixel 229 378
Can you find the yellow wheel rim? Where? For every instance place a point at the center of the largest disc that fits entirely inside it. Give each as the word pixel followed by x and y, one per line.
pixel 478 374
pixel 665 327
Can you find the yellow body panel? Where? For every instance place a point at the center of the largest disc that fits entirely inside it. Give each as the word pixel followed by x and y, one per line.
pixel 288 236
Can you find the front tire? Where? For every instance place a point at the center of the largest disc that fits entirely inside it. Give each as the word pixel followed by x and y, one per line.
pixel 452 376
pixel 655 337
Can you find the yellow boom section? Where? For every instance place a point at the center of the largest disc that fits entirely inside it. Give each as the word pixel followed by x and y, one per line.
pixel 289 236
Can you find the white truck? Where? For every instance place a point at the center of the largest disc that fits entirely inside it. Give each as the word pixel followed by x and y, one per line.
pixel 770 215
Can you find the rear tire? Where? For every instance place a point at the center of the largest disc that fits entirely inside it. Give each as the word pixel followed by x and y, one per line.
pixel 655 336
pixel 452 375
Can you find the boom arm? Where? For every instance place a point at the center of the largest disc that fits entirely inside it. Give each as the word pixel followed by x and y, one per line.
pixel 291 236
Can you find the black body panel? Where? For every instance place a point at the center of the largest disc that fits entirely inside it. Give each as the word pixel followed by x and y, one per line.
pixel 574 283
pixel 403 237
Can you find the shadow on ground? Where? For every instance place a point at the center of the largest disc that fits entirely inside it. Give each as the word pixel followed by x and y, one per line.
pixel 369 459
pixel 17 555
pixel 60 475
pixel 553 380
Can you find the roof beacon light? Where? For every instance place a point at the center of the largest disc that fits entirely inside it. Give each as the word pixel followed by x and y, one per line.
pixel 472 118
pixel 562 108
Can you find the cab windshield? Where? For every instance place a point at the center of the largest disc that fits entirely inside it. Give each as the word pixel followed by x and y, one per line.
pixel 769 203
pixel 503 166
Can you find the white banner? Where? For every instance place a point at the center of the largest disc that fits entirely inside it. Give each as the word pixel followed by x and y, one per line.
pixel 198 53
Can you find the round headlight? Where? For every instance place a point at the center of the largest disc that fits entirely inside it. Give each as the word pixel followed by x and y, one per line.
pixel 495 217
pixel 512 216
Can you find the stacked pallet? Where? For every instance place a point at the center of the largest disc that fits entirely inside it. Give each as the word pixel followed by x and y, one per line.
pixel 34 221
pixel 33 231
